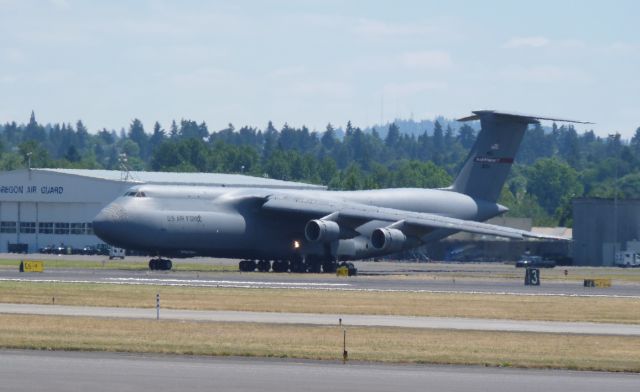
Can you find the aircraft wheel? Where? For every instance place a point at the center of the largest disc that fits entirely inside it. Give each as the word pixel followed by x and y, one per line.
pixel 314 266
pixel 264 265
pixel 153 264
pixel 280 265
pixel 160 264
pixel 298 265
pixel 329 267
pixel 167 265
pixel 247 266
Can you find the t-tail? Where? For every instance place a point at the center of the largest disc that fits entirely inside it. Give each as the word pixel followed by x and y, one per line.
pixel 486 168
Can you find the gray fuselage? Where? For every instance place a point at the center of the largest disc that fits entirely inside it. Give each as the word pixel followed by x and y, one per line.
pixel 176 221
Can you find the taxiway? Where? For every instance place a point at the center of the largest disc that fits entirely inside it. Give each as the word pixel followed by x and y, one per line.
pixel 67 371
pixel 457 323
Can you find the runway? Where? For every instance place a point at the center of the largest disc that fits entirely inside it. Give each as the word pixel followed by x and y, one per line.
pixel 324 282
pixel 76 371
pixel 457 323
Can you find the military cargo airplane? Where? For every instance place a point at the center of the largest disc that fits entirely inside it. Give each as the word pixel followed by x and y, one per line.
pixel 312 230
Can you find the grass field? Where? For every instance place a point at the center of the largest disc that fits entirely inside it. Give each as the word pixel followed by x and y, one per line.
pixel 537 350
pixel 118 265
pixel 600 309
pixel 322 342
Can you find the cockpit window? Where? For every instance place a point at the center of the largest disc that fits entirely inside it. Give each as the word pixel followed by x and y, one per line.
pixel 135 194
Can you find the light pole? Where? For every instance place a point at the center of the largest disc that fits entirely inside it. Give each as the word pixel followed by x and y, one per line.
pixel 614 138
pixel 29 164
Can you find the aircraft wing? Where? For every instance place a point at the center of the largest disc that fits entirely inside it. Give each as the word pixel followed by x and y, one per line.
pixel 415 224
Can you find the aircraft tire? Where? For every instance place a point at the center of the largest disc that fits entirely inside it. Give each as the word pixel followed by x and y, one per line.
pixel 329 267
pixel 264 265
pixel 298 265
pixel 247 265
pixel 160 264
pixel 314 266
pixel 153 264
pixel 167 265
pixel 251 265
pixel 280 266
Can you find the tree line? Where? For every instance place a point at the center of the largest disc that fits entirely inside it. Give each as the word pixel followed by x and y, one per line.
pixel 552 166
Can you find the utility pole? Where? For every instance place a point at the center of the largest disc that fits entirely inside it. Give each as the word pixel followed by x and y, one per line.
pixel 29 164
pixel 614 138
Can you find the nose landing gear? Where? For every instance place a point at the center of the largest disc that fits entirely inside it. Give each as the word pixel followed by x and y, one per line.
pixel 160 264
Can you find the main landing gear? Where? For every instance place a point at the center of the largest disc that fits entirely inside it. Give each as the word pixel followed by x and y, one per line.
pixel 294 264
pixel 160 264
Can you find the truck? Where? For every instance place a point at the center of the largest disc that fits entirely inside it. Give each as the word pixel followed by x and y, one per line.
pixel 116 253
pixel 627 259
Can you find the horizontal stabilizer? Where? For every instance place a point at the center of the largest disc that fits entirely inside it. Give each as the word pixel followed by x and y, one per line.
pixel 528 118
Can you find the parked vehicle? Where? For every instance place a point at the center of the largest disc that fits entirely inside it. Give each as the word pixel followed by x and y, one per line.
pixel 61 249
pixel 102 249
pixel 627 259
pixel 527 261
pixel 116 253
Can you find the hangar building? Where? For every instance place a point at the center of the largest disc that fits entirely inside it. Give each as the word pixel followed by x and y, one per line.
pixel 40 207
pixel 602 227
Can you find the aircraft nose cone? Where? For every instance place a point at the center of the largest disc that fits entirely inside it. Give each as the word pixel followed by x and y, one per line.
pixel 108 223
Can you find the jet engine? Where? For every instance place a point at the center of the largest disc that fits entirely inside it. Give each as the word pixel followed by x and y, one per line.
pixel 388 239
pixel 319 230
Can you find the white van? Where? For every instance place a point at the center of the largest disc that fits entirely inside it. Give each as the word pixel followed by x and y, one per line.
pixel 116 253
pixel 627 259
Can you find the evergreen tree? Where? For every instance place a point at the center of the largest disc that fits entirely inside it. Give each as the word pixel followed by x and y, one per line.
pixel 33 130
pixel 270 141
pixel 393 136
pixel 466 136
pixel 82 136
pixel 438 144
pixel 173 131
pixel 635 141
pixel 328 139
pixel 106 137
pixel 157 137
pixel 191 130
pixel 140 138
pixel 72 154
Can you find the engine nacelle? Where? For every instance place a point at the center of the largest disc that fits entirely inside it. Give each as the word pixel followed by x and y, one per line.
pixel 388 239
pixel 319 230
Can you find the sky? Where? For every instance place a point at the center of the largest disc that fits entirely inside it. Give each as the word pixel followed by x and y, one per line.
pixel 309 62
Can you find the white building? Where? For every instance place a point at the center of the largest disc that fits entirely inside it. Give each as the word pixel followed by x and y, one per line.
pixel 40 207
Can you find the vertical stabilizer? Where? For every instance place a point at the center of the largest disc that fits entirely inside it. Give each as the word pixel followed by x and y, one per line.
pixel 486 168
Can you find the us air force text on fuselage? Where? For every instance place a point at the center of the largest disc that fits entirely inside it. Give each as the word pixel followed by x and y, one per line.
pixel 184 218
